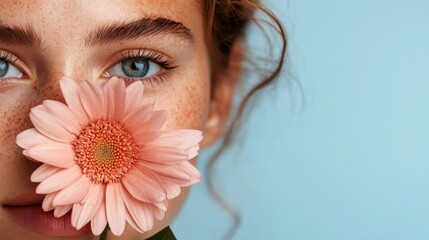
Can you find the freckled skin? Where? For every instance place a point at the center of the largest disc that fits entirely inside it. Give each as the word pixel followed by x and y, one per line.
pixel 62 26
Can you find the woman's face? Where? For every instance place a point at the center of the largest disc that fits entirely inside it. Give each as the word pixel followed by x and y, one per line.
pixel 42 40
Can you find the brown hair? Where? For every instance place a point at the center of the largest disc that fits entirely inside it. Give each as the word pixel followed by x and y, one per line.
pixel 228 20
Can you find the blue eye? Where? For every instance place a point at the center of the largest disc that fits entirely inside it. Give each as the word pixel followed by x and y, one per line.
pixel 149 66
pixel 134 68
pixel 7 70
pixel 4 66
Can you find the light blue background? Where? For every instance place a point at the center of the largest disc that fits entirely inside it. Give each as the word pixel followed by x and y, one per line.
pixel 350 163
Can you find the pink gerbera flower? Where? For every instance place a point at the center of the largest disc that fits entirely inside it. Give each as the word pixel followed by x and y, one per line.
pixel 105 158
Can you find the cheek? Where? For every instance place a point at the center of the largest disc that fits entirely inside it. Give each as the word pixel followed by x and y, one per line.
pixel 15 105
pixel 188 108
pixel 16 101
pixel 14 109
pixel 187 99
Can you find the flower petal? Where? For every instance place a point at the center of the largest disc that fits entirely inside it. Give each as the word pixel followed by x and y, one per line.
pixel 161 205
pixel 162 155
pixel 47 201
pixel 143 137
pixel 115 95
pixel 43 172
pixel 30 138
pixel 62 210
pixel 143 185
pixel 70 92
pixel 140 212
pixel 172 190
pixel 132 223
pixel 185 139
pixel 193 172
pixel 171 172
pixel 59 180
pixel 115 208
pixel 134 96
pixel 73 193
pixel 156 120
pixel 92 203
pixel 46 124
pixel 136 119
pixel 109 100
pixel 158 213
pixel 193 152
pixel 182 138
pixel 77 210
pixel 55 154
pixel 99 222
pixel 91 100
pixel 64 115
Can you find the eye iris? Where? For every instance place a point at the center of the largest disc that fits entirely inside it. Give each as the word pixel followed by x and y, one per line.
pixel 4 66
pixel 135 67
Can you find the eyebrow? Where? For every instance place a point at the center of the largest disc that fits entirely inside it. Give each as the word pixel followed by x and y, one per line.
pixel 145 27
pixel 19 36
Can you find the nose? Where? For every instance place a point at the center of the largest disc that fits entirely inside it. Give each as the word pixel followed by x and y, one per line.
pixel 48 87
pixel 47 83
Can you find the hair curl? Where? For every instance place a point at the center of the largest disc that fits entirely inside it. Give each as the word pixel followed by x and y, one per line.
pixel 228 21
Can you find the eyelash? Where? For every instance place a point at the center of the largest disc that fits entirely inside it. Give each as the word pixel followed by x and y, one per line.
pixel 15 62
pixel 7 57
pixel 163 61
pixel 166 64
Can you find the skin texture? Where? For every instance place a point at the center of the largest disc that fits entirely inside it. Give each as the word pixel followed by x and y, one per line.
pixel 62 27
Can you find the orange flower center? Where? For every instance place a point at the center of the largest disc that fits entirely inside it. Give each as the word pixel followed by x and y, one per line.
pixel 105 151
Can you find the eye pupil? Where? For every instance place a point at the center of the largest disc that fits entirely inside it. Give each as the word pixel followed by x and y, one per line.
pixel 135 67
pixel 4 66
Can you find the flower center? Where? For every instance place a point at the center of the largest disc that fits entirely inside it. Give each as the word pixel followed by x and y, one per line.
pixel 105 151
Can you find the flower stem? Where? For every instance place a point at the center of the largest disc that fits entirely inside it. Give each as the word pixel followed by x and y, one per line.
pixel 164 234
pixel 103 235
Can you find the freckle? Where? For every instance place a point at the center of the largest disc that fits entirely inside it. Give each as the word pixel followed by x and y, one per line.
pixel 16 118
pixel 50 91
pixel 188 108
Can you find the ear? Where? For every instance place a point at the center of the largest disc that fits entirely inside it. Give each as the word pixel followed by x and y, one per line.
pixel 224 84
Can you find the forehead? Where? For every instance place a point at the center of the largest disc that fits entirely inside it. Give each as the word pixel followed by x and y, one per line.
pixel 75 18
